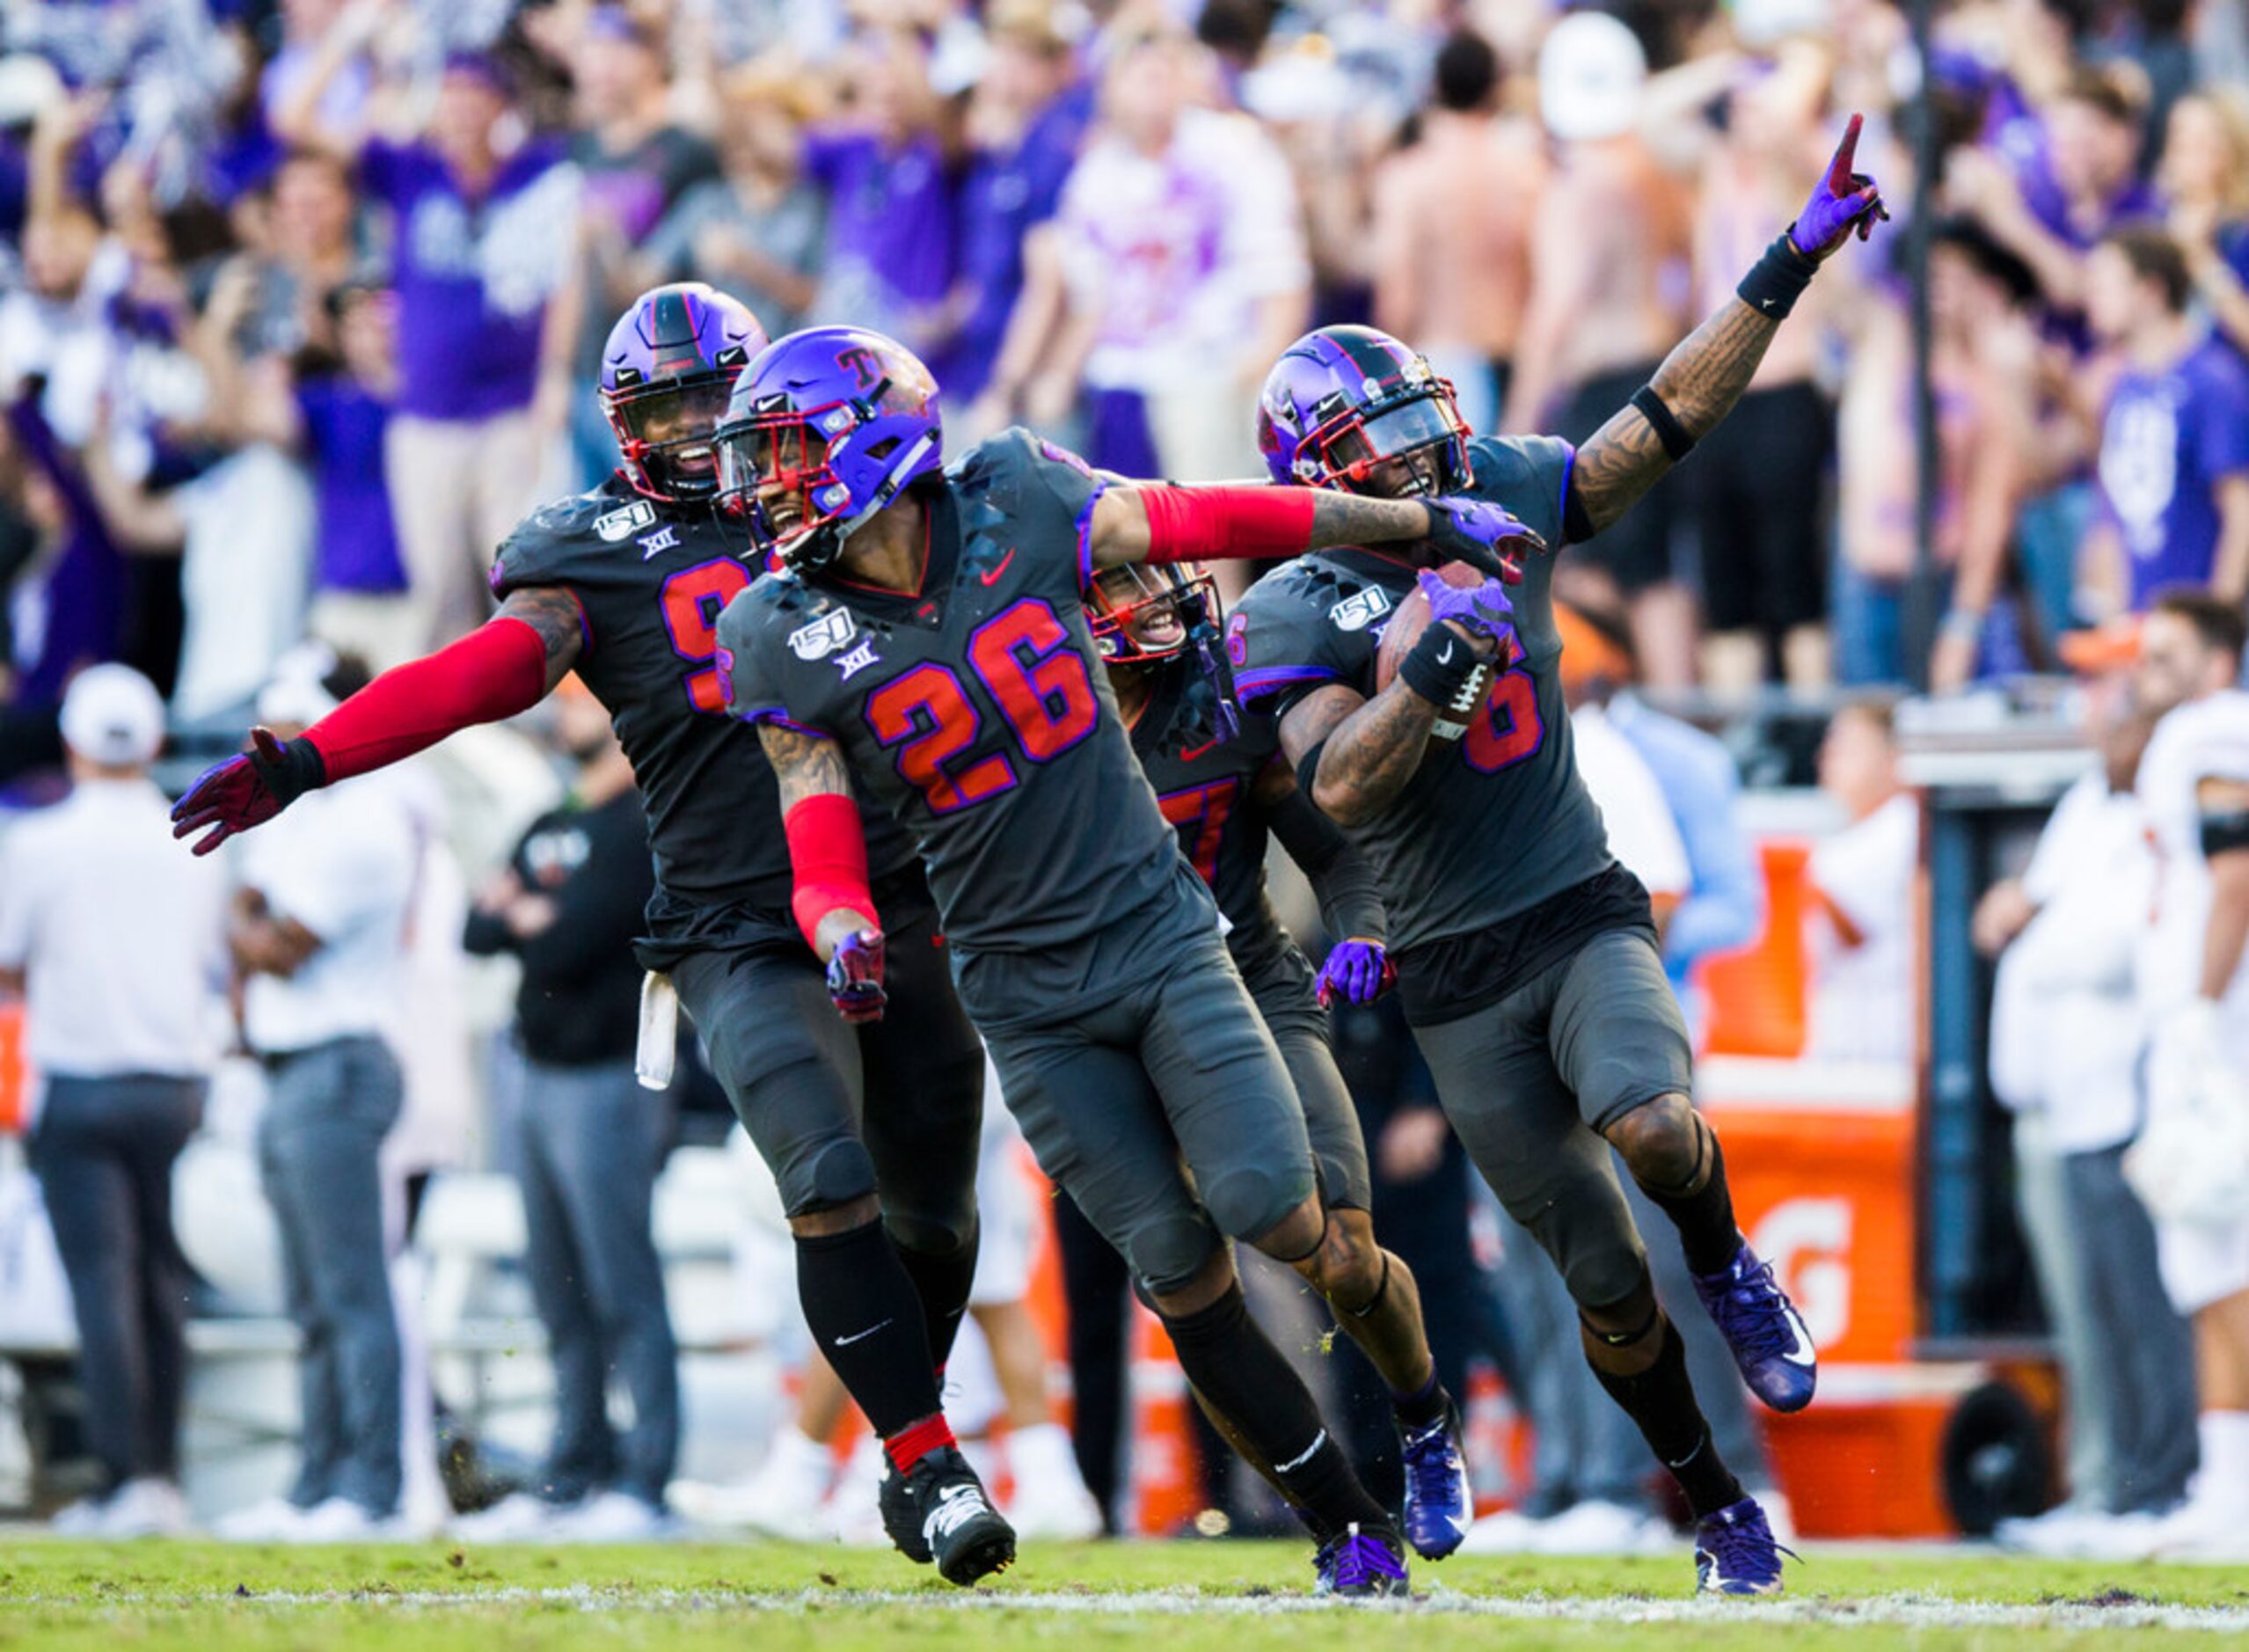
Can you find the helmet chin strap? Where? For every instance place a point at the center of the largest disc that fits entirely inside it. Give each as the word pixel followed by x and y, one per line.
pixel 844 527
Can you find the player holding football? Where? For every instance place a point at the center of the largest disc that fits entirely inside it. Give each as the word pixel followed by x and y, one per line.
pixel 1526 955
pixel 926 644
pixel 624 584
pixel 1225 786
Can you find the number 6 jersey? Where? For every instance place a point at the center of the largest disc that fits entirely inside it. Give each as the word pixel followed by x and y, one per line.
pixel 1493 860
pixel 976 711
pixel 650 580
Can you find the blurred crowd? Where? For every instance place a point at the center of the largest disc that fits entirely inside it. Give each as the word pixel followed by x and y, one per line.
pixel 300 302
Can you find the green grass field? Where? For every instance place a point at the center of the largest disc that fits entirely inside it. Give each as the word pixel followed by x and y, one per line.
pixel 1183 1597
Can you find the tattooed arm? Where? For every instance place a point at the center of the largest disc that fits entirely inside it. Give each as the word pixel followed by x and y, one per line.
pixel 808 767
pixel 1702 379
pixel 1366 749
pixel 1699 382
pixel 553 612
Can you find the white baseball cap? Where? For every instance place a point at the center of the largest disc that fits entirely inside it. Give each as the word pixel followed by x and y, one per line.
pixel 111 714
pixel 1590 73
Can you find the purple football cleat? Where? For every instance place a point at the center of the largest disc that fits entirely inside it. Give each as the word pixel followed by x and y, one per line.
pixel 1764 1329
pixel 1438 1503
pixel 1360 1565
pixel 1735 1553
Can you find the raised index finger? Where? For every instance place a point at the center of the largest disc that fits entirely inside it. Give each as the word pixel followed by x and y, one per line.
pixel 1840 168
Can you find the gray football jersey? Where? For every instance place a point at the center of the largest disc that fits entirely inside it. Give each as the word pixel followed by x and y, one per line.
pixel 1492 824
pixel 974 710
pixel 650 580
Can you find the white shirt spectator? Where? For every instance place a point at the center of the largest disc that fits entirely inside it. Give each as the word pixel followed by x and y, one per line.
pixel 1642 832
pixel 2207 739
pixel 1174 253
pixel 244 573
pixel 340 862
pixel 2065 1027
pixel 120 933
pixel 1861 942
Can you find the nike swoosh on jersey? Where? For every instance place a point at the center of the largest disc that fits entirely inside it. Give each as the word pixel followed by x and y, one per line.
pixel 990 575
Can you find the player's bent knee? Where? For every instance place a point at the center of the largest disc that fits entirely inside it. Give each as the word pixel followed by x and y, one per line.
pixel 932 1235
pixel 1349 1267
pixel 1661 1140
pixel 1195 1292
pixel 1172 1254
pixel 1276 1211
pixel 827 1176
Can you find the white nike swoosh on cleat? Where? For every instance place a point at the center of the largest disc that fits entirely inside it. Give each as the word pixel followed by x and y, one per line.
pixel 1803 1354
pixel 859 1336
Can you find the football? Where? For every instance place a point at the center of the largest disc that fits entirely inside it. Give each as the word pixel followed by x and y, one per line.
pixel 1405 629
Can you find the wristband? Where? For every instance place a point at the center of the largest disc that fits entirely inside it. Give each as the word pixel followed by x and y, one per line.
pixel 1777 280
pixel 300 770
pixel 1447 672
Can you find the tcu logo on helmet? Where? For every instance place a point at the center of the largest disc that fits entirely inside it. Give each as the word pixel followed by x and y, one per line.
pixel 863 365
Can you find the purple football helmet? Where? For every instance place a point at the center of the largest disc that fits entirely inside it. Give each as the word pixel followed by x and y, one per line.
pixel 1352 408
pixel 666 370
pixel 826 428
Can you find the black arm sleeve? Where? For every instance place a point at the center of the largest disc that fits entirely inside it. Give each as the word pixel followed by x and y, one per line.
pixel 1349 904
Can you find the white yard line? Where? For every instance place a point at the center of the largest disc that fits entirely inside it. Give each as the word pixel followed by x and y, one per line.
pixel 1902 1610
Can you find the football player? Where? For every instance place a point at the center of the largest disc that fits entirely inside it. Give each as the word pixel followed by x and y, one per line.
pixel 624 584
pixel 926 645
pixel 1224 785
pixel 1526 955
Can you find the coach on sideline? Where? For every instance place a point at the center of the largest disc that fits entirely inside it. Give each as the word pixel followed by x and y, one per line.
pixel 118 942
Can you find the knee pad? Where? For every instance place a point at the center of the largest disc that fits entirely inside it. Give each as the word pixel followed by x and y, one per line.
pixel 1167 1253
pixel 1248 1200
pixel 932 1235
pixel 825 1174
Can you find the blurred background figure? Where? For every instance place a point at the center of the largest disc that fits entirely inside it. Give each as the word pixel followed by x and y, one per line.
pixel 2173 460
pixel 483 219
pixel 1608 299
pixel 2066 1043
pixel 117 942
pixel 1452 218
pixel 1862 877
pixel 589 1142
pixel 319 939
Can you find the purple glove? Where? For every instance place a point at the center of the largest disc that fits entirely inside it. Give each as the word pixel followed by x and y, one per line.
pixel 1841 202
pixel 1357 971
pixel 1482 535
pixel 855 978
pixel 1483 609
pixel 247 790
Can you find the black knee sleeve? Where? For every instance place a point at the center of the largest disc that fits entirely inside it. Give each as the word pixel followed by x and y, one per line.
pixel 1249 1382
pixel 1705 1218
pixel 941 1279
pixel 1660 1401
pixel 863 1310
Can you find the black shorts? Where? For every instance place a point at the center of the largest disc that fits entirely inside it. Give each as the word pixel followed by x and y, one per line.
pixel 1635 549
pixel 1530 1081
pixel 893 1108
pixel 1286 998
pixel 1160 1104
pixel 1758 484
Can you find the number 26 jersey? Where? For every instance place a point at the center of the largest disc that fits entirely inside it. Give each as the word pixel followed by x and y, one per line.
pixel 974 710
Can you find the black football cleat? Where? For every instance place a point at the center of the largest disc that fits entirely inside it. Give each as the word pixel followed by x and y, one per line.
pixel 938 1511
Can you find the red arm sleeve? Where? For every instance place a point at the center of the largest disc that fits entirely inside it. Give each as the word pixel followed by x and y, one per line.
pixel 495 671
pixel 828 852
pixel 1200 524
